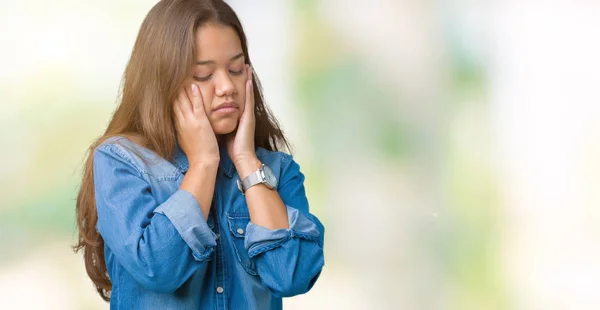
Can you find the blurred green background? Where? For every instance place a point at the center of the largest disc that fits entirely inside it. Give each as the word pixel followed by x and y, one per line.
pixel 450 147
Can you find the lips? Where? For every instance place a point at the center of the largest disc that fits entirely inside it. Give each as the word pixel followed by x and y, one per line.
pixel 226 106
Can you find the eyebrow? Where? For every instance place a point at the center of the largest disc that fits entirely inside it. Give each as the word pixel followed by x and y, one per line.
pixel 205 62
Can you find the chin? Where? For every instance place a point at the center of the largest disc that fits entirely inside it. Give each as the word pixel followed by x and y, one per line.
pixel 224 127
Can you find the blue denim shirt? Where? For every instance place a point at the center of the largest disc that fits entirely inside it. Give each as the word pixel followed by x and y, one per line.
pixel 161 253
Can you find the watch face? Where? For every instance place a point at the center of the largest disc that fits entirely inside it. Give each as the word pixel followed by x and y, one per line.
pixel 269 177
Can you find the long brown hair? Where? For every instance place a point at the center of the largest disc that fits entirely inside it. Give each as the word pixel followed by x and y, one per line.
pixel 162 58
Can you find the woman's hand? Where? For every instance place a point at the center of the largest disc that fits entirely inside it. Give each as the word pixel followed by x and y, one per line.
pixel 240 143
pixel 194 132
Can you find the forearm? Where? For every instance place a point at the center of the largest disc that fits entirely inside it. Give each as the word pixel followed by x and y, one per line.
pixel 200 182
pixel 283 239
pixel 264 205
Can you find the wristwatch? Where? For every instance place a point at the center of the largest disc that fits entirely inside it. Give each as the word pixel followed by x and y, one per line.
pixel 264 175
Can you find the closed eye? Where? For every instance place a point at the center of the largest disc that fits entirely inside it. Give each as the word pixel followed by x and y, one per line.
pixel 206 78
pixel 239 72
pixel 202 79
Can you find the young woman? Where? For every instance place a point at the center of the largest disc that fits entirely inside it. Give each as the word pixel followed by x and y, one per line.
pixel 186 202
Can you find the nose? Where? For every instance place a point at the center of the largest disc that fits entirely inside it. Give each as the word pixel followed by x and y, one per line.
pixel 224 86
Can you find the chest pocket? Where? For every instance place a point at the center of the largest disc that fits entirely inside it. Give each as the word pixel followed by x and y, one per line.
pixel 237 228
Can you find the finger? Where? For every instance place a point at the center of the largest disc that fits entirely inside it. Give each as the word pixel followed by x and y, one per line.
pixel 188 93
pixel 197 101
pixel 179 117
pixel 249 105
pixel 185 104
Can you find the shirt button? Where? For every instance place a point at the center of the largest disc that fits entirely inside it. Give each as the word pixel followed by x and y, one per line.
pixel 240 231
pixel 219 290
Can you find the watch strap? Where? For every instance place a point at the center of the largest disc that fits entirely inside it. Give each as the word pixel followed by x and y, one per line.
pixel 254 178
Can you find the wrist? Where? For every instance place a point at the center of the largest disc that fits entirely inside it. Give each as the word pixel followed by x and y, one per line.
pixel 246 166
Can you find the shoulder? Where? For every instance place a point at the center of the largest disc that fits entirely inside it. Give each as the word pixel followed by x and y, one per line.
pixel 125 150
pixel 273 159
pixel 281 163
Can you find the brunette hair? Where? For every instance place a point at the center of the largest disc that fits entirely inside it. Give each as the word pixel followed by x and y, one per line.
pixel 161 60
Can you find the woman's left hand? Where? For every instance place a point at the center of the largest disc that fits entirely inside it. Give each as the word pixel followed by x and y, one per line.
pixel 240 143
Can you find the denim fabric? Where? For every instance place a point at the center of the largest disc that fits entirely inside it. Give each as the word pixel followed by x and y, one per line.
pixel 161 253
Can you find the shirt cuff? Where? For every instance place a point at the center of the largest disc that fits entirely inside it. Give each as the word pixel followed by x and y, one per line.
pixel 260 239
pixel 184 212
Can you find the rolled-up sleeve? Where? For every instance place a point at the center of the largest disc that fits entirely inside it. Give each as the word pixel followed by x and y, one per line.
pixel 184 212
pixel 160 245
pixel 289 261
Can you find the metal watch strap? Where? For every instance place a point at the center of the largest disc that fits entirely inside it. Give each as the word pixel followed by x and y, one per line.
pixel 255 178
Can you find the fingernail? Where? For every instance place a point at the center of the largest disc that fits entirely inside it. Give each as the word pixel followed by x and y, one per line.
pixel 194 89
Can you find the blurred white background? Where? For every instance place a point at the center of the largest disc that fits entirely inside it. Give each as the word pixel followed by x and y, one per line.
pixel 452 148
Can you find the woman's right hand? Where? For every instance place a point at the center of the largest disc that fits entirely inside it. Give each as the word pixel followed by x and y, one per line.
pixel 194 132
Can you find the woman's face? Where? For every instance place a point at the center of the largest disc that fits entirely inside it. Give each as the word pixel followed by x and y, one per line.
pixel 220 75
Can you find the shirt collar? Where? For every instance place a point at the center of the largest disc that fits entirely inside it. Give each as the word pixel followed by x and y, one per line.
pixel 225 164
